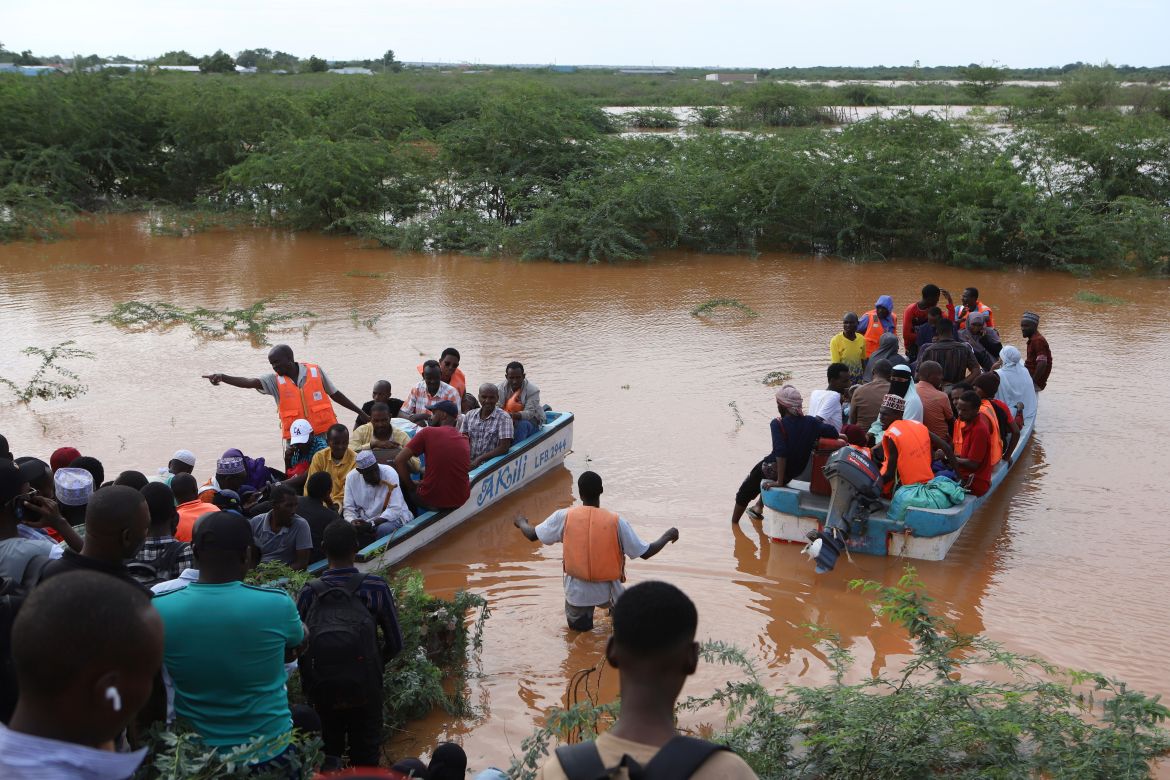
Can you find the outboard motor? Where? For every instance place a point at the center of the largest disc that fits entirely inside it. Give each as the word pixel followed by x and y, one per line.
pixel 856 483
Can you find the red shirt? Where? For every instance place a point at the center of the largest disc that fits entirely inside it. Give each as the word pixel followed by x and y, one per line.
pixel 444 484
pixel 914 317
pixel 1037 349
pixel 976 446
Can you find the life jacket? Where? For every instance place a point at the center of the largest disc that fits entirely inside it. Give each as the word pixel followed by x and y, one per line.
pixel 873 335
pixel 513 405
pixel 310 402
pixel 914 451
pixel 593 551
pixel 962 312
pixel 988 411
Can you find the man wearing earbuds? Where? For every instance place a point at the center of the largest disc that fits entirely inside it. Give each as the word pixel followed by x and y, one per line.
pixel 86 647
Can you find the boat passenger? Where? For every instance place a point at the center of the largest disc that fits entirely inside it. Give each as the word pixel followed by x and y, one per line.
pixel 596 544
pixel 908 447
pixel 380 434
pixel 230 474
pixel 902 385
pixel 116 522
pixel 972 305
pixel 887 350
pixel 337 461
pixel 381 394
pixel 794 436
pixel 318 510
pixel 428 392
pixel 937 414
pixel 918 314
pixel 489 428
pixel 450 372
pixel 521 400
pixel 827 404
pixel 301 391
pixel 281 534
pixel 357 723
pixel 182 462
pixel 448 456
pixel 849 348
pixel 654 651
pixel 374 501
pixel 299 453
pixel 1039 359
pixel 866 401
pixel 924 334
pixel 162 552
pixel 957 359
pixel 974 442
pixel 226 644
pixel 987 385
pixel 983 340
pixel 1015 383
pixel 86 649
pixel 878 320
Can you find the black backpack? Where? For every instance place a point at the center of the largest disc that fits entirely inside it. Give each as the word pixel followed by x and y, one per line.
pixel 150 573
pixel 342 666
pixel 12 595
pixel 679 758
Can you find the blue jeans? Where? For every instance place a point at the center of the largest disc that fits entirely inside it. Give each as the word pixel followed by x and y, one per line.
pixel 522 430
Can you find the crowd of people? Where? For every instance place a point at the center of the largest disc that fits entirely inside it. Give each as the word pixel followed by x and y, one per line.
pixel 950 405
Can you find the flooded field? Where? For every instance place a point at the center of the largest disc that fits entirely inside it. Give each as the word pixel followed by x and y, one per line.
pixel 1068 561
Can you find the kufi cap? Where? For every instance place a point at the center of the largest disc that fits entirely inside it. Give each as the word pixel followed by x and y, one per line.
pixel 977 318
pixel 300 432
pixel 227 466
pixel 445 406
pixel 222 531
pixel 789 397
pixel 184 456
pixel 1031 317
pixel 63 457
pixel 73 486
pixel 895 403
pixel 366 459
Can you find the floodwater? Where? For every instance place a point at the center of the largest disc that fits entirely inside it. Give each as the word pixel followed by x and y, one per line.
pixel 1068 561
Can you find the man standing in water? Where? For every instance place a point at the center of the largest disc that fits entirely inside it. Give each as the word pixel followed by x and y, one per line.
pixel 301 391
pixel 1039 359
pixel 595 540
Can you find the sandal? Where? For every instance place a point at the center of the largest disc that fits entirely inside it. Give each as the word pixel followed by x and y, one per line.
pixel 755 514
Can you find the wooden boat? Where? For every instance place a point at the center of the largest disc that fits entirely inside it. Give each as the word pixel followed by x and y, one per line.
pixel 491 481
pixel 791 512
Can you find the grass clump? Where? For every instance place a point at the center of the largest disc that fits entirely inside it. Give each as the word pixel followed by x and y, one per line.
pixel 776 378
pixel 723 303
pixel 253 322
pixel 1087 296
pixel 652 119
pixel 39 386
pixel 355 274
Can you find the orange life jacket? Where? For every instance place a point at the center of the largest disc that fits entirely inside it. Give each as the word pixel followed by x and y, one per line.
pixel 988 411
pixel 914 451
pixel 513 405
pixel 310 402
pixel 962 312
pixel 873 335
pixel 593 551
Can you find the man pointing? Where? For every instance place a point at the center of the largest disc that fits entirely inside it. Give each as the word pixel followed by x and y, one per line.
pixel 301 391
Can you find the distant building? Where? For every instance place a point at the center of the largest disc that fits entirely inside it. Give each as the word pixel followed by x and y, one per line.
pixel 179 68
pixel 729 78
pixel 131 66
pixel 352 71
pixel 29 70
pixel 646 71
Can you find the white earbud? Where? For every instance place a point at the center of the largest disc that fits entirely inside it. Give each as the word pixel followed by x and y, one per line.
pixel 114 698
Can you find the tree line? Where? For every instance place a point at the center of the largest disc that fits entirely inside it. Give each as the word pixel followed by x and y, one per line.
pixel 521 167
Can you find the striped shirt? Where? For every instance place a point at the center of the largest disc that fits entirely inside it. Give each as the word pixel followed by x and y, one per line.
pixel 156 546
pixel 25 757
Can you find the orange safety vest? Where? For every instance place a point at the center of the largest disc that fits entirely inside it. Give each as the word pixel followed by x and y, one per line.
pixel 988 411
pixel 310 402
pixel 961 315
pixel 873 336
pixel 912 439
pixel 593 551
pixel 513 405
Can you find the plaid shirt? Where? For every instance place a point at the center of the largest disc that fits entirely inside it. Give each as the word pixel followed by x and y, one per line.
pixel 485 435
pixel 153 549
pixel 375 593
pixel 419 399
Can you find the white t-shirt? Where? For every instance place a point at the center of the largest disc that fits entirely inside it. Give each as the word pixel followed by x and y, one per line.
pixel 582 593
pixel 826 404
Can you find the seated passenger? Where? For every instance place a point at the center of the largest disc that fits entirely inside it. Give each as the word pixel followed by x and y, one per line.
pixel 866 400
pixel 972 305
pixel 374 501
pixel 230 474
pixel 337 460
pixel 849 348
pixel 794 436
pixel 448 456
pixel 381 394
pixel 191 505
pixel 908 447
pixel 380 434
pixel 876 322
pixel 887 350
pixel 315 506
pixel 450 372
pixel 826 404
pixel 1015 383
pixel 973 444
pixel 987 386
pixel 521 400
pixel 902 385
pixel 298 454
pixel 937 413
pixel 281 534
pixel 924 334
pixel 488 428
pixel 427 393
pixel 956 357
pixel 983 340
pixel 182 462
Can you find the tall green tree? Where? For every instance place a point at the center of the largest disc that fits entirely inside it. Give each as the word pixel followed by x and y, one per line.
pixel 317 65
pixel 179 57
pixel 980 81
pixel 220 62
pixel 389 63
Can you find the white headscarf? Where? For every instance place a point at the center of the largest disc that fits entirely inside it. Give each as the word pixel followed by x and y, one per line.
pixel 1015 383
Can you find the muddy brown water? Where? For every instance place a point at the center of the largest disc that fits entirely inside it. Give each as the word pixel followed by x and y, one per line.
pixel 1068 561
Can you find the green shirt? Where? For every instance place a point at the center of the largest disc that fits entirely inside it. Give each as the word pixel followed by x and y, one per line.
pixel 224 651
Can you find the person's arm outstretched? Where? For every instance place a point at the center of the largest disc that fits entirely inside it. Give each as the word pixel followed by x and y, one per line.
pixel 656 546
pixel 248 383
pixel 526 528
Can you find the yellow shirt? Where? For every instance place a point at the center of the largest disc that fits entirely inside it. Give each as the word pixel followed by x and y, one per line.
pixel 323 461
pixel 851 353
pixel 722 765
pixel 364 434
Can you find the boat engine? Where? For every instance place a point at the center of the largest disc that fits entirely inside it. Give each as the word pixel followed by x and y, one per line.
pixel 856 485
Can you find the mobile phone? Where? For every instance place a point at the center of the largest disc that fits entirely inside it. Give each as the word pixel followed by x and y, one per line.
pixel 20 503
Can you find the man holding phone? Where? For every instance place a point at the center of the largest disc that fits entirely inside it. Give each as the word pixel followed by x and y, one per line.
pixel 19 504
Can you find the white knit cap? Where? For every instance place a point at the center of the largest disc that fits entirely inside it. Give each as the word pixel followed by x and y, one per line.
pixel 184 456
pixel 73 486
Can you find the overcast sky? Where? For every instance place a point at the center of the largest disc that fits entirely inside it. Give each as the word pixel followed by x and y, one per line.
pixel 740 33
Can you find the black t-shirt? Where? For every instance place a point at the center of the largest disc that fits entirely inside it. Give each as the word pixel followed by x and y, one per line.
pixel 72 561
pixel 395 405
pixel 318 517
